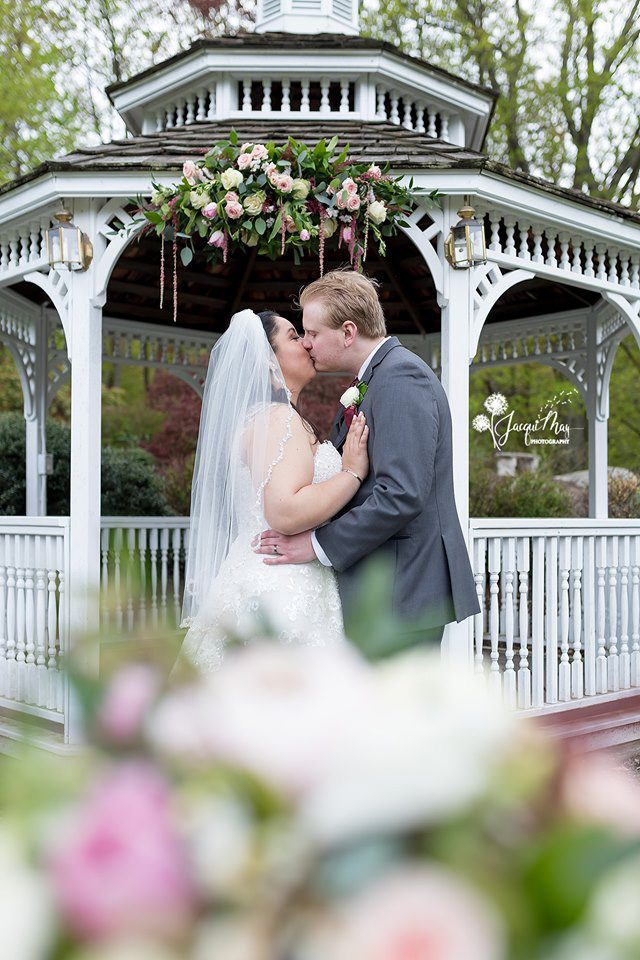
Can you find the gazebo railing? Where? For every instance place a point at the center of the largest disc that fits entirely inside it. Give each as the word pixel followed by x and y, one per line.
pixel 560 608
pixel 34 615
pixel 142 571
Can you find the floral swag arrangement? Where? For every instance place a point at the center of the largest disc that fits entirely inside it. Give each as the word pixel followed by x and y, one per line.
pixel 273 198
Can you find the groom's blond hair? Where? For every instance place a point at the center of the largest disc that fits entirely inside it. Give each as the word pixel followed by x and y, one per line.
pixel 348 295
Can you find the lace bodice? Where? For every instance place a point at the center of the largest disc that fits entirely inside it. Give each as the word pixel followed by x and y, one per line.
pixel 301 600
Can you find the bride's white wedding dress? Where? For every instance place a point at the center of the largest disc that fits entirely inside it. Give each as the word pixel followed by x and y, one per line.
pixel 301 601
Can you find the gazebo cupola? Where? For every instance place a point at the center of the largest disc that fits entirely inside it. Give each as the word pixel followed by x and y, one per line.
pixel 305 61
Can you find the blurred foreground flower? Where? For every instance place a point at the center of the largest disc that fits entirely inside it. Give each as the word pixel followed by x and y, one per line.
pixel 304 804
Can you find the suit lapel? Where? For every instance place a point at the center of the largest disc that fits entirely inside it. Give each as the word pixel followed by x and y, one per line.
pixel 339 430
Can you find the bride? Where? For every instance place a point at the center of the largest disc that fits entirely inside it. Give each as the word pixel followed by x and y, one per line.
pixel 260 464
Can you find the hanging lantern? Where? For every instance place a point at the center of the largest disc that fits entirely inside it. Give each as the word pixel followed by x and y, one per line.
pixel 68 248
pixel 465 245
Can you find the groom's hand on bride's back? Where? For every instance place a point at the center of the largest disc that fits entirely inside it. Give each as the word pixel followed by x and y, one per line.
pixel 294 549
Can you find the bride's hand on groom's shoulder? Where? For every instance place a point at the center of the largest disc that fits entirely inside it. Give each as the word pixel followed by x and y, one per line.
pixel 294 549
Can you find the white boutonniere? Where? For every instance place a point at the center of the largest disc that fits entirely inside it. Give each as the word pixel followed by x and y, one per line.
pixel 354 396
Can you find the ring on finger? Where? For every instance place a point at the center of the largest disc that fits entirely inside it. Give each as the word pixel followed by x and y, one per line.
pixel 275 548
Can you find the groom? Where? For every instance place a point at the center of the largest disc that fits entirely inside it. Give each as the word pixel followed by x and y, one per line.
pixel 404 509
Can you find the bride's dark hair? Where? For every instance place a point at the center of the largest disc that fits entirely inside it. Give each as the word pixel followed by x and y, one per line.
pixel 268 319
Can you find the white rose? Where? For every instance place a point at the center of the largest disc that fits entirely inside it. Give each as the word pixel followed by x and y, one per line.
pixel 377 212
pixel 231 178
pixel 198 199
pixel 350 396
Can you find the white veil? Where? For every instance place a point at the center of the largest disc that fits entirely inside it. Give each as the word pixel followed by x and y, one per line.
pixel 246 406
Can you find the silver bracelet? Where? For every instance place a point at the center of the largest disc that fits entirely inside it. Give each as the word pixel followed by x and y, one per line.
pixel 353 474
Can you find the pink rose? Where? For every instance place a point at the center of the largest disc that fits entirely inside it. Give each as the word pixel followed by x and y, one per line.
pixel 210 211
pixel 259 152
pixel 422 912
pixel 305 235
pixel 121 866
pixel 347 234
pixel 231 197
pixel 216 239
pixel 272 173
pixel 126 701
pixel 353 202
pixel 233 209
pixel 245 146
pixel 350 185
pixel 341 199
pixel 290 224
pixel 285 183
pixel 190 171
pixel 374 172
pixel 244 161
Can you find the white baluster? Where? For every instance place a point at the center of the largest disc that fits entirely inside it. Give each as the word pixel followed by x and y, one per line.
pixel 169 124
pixel 635 614
pixel 601 250
pixel 34 237
pixel 180 110
pixel 14 254
pixel 589 601
pixel 407 122
pixel 564 238
pixel 494 216
pixel 286 95
pixel 117 593
pixel 551 235
pixel 523 252
pixel 131 546
pixel 444 126
pixel 164 571
pixel 5 253
pixel 191 108
pixel 508 569
pixel 524 670
pixel 266 95
pixel 564 667
pixel 381 109
pixel 635 271
pixel 41 684
pixel 537 622
pixel 588 259
pixel 537 243
pixel 105 587
pixel 52 624
pixel 624 270
pixel 601 655
pixel 552 618
pixel 576 263
pixel 480 565
pixel 142 556
pixel 153 553
pixel 304 95
pixel 420 110
pixel 211 111
pixel 395 116
pixel 613 660
pixel 510 247
pixel 612 276
pixel 432 117
pixel 325 105
pixel 625 659
pixel 246 95
pixel 577 679
pixel 57 676
pixel 160 120
pixel 175 546
pixel 494 612
pixel 3 634
pixel 29 628
pixel 202 104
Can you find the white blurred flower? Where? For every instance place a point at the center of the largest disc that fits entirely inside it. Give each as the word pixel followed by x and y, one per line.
pixel 425 752
pixel 232 939
pixel 418 912
pixel 26 909
pixel 496 404
pixel 218 832
pixel 275 710
pixel 481 423
pixel 614 914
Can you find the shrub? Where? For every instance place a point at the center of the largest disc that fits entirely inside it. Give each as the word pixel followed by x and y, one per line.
pixel 531 494
pixel 130 485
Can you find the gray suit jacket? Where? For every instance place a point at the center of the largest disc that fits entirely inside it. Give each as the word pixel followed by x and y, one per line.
pixel 405 508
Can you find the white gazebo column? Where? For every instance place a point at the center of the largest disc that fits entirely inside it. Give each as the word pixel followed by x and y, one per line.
pixel 36 423
pixel 598 418
pixel 85 325
pixel 456 304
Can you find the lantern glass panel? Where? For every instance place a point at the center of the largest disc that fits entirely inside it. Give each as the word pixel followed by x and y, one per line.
pixel 460 248
pixel 476 241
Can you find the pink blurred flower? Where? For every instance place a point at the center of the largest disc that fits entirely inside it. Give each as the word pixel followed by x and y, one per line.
pixel 596 789
pixel 216 239
pixel 120 867
pixel 126 701
pixel 233 209
pixel 190 171
pixel 347 234
pixel 210 211
pixel 244 161
pixel 305 235
pixel 259 152
pixel 411 913
pixel 353 202
pixel 245 146
pixel 231 197
pixel 285 183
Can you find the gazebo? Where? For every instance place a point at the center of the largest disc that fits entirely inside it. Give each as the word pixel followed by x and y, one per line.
pixel 560 621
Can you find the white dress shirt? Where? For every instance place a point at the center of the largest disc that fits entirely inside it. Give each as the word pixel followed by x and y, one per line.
pixel 317 549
